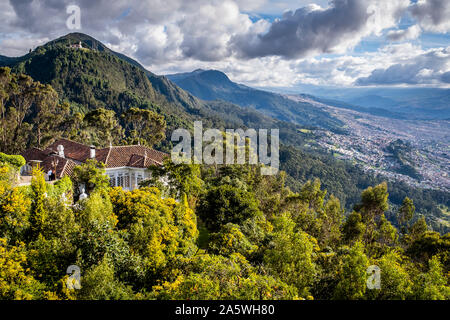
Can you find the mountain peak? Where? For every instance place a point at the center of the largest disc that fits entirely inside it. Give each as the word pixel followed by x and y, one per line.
pixel 214 77
pixel 75 37
pixel 78 35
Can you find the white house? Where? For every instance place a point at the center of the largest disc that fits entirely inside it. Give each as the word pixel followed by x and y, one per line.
pixel 125 165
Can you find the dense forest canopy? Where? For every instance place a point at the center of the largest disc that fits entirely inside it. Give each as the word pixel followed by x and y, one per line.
pixel 214 232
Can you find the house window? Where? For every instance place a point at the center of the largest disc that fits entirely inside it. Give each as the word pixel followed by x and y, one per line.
pixel 126 180
pixel 120 180
pixel 112 181
pixel 27 169
pixel 139 179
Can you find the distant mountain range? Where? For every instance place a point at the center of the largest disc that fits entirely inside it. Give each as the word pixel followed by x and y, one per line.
pixel 409 103
pixel 417 103
pixel 400 103
pixel 215 85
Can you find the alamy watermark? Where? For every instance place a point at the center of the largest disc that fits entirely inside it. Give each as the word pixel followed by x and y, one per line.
pixel 374 279
pixel 73 22
pixel 74 280
pixel 229 147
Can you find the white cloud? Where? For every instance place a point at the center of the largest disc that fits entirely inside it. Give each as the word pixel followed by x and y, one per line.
pixel 432 15
pixel 425 68
pixel 276 7
pixel 207 31
pixel 14 47
pixel 410 33
pixel 314 30
pixel 251 5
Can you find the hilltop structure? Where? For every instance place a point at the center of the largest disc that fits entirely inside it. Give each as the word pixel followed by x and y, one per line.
pixel 78 45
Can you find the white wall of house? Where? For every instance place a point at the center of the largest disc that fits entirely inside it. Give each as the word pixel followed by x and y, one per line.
pixel 126 177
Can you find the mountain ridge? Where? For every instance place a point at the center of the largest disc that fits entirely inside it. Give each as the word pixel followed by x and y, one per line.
pixel 421 105
pixel 215 85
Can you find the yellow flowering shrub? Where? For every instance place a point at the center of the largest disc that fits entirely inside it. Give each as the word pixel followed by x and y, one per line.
pixel 160 229
pixel 16 282
pixel 14 210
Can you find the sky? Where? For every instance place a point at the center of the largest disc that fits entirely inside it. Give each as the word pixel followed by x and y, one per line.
pixel 261 43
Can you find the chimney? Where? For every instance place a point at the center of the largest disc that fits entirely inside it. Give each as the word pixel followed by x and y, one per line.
pixel 92 153
pixel 60 149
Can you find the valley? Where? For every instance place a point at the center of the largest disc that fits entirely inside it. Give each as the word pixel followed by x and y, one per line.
pixel 401 147
pixel 368 137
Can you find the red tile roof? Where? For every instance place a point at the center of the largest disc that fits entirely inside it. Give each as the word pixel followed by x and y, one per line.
pixel 72 150
pixel 133 156
pixel 68 169
pixel 76 153
pixel 34 154
pixel 61 166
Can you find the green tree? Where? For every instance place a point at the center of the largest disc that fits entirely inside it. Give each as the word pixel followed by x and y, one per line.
pixel 100 283
pixel 14 162
pixel 379 232
pixel 224 204
pixel 90 176
pixel 230 240
pixel 418 228
pixel 354 228
pixel 177 179
pixel 49 115
pixel 312 194
pixel 385 234
pixel 428 244
pixel 14 210
pixel 38 215
pixel 97 208
pixel 16 282
pixel 396 283
pixel 352 274
pixel 30 112
pixel 159 229
pixel 218 277
pixel 331 219
pixel 374 202
pixel 144 126
pixel 103 126
pixel 48 258
pixel 406 213
pixel 18 94
pixel 291 255
pixel 432 285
